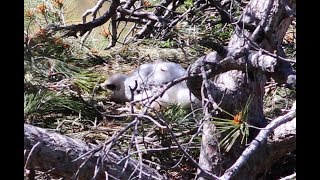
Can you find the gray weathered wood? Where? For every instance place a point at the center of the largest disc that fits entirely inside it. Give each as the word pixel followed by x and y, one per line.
pixel 55 153
pixel 210 153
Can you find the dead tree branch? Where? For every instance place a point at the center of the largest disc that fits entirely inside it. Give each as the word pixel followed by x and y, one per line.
pixel 157 23
pixel 56 155
pixel 72 30
pixel 210 156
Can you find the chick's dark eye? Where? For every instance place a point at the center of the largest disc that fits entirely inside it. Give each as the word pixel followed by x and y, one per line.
pixel 112 87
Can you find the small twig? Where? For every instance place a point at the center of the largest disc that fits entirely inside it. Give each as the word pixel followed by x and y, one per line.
pixel 89 152
pixel 147 174
pixel 136 133
pixel 96 87
pixel 128 152
pixel 126 40
pixel 76 175
pixel 188 144
pixel 115 137
pixel 132 89
pixel 165 88
pixel 84 38
pixel 256 47
pixel 187 154
pixel 289 177
pixel 225 17
pixel 98 167
pixel 92 11
pixel 30 154
pixel 144 15
pixel 209 90
pixel 148 150
pixel 138 115
pixel 147 27
pixel 114 32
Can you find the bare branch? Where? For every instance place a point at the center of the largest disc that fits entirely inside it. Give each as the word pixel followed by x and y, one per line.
pixel 290 177
pixel 143 15
pixel 223 13
pixel 92 11
pixel 148 27
pixel 137 115
pixel 208 88
pixel 174 138
pixel 114 33
pixel 72 30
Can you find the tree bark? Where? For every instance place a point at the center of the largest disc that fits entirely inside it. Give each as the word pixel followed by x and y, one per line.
pixel 210 153
pixel 56 154
pixel 240 70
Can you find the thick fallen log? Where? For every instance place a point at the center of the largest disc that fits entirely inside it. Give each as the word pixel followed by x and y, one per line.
pixel 70 158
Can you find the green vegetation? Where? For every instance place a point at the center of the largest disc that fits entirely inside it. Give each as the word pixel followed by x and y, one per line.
pixel 57 75
pixel 232 129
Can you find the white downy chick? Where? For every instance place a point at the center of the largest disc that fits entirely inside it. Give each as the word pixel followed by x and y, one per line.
pixel 149 78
